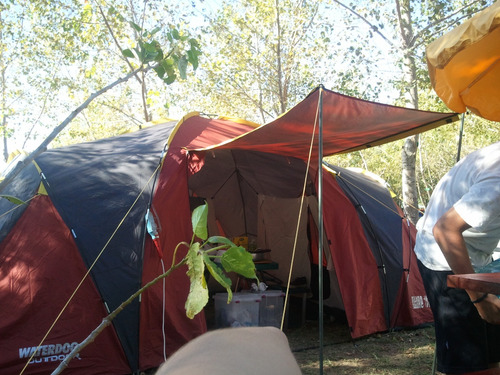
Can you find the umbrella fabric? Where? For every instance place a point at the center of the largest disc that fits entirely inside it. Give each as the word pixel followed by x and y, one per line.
pixel 464 65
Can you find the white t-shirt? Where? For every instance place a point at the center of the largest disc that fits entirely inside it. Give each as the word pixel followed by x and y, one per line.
pixel 472 186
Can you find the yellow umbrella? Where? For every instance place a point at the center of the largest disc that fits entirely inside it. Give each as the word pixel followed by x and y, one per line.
pixel 464 65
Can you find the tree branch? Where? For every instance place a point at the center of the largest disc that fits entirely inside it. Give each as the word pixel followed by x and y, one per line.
pixel 372 26
pixel 278 56
pixel 132 118
pixel 42 111
pixel 116 40
pixel 43 146
pixel 432 24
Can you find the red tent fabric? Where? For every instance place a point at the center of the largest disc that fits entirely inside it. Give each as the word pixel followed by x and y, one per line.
pixel 349 124
pixel 413 305
pixel 49 250
pixel 90 188
pixel 354 264
pixel 171 207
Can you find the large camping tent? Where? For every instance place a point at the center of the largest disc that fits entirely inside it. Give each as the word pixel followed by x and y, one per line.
pixel 79 246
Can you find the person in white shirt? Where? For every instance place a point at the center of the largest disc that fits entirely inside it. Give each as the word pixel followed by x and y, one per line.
pixel 458 235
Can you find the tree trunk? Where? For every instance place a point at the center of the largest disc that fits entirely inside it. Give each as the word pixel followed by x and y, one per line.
pixel 4 135
pixel 409 152
pixel 282 98
pixel 4 118
pixel 409 180
pixel 3 85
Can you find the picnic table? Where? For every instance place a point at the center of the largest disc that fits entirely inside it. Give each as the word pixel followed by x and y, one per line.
pixel 479 282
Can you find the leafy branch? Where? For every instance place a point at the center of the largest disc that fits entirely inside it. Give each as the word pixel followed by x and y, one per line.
pixel 151 56
pixel 43 146
pixel 235 259
pixel 148 50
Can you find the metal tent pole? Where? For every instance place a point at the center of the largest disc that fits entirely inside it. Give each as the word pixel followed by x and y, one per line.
pixel 460 135
pixel 320 227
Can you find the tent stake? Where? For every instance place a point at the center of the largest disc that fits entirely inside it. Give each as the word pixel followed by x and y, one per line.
pixel 320 227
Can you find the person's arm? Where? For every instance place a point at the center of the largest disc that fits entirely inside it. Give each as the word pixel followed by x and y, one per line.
pixel 448 234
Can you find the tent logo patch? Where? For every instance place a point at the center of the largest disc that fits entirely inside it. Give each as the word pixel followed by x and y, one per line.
pixel 419 302
pixel 48 353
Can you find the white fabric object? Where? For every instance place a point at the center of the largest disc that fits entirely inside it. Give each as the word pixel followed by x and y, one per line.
pixel 242 351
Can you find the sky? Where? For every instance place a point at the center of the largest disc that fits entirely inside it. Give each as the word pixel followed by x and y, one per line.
pixel 386 65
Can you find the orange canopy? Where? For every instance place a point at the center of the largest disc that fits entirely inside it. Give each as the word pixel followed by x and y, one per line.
pixel 464 65
pixel 349 124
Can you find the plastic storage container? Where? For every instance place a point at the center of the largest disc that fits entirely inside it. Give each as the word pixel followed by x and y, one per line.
pixel 271 307
pixel 242 311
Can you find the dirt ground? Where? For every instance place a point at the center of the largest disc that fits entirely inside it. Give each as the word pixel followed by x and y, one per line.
pixel 408 352
pixel 401 352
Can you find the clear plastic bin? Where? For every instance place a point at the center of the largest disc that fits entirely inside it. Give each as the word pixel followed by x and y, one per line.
pixel 271 307
pixel 242 311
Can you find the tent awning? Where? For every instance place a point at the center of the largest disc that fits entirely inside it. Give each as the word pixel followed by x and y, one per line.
pixel 349 124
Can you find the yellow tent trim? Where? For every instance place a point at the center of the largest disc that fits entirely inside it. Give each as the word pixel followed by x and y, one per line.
pixel 41 189
pixel 240 121
pixel 225 118
pixel 184 118
pixel 14 154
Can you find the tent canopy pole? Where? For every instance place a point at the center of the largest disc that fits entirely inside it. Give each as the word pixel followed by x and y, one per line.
pixel 460 136
pixel 320 227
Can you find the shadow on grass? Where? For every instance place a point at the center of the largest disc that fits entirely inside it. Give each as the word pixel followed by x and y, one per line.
pixel 405 352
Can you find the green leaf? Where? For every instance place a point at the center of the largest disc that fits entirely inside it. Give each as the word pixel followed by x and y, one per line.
pixel 159 51
pixel 194 43
pixel 182 65
pixel 170 70
pixel 198 291
pixel 222 240
pixel 12 199
pixel 149 51
pixel 135 26
pixel 170 79
pixel 140 53
pixel 155 30
pixel 193 59
pixel 168 64
pixel 237 259
pixel 128 53
pixel 151 47
pixel 160 71
pixel 168 61
pixel 199 221
pixel 218 275
pixel 175 34
pixel 150 56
